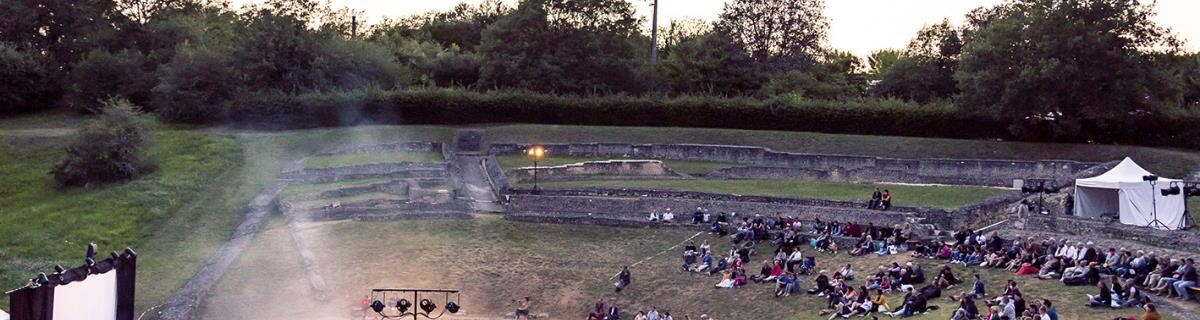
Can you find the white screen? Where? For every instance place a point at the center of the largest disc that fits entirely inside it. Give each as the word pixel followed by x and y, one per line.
pixel 92 299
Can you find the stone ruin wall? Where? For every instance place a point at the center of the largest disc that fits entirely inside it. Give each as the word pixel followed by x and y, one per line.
pixel 758 163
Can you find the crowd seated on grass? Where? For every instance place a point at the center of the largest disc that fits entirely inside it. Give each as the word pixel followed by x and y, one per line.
pixel 1123 279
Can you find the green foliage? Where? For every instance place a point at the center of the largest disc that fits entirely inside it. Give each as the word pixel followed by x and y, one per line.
pixel 108 149
pixel 65 30
pixel 25 83
pixel 881 60
pixel 786 31
pixel 194 86
pixel 1093 76
pixel 712 64
pixel 102 75
pixel 915 79
pixel 563 46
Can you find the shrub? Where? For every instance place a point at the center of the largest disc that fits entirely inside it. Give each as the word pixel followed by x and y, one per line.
pixel 25 84
pixel 102 75
pixel 195 86
pixel 108 148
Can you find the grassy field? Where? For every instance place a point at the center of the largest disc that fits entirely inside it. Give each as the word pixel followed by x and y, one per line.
pixel 945 197
pixel 1170 163
pixel 174 217
pixel 354 159
pixel 563 268
pixel 690 167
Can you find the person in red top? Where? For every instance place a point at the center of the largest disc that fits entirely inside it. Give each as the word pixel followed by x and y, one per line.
pixel 887 200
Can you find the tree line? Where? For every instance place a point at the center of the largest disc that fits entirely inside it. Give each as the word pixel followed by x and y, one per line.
pixel 1045 69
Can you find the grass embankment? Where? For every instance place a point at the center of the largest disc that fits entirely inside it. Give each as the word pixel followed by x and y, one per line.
pixel 174 217
pixel 301 188
pixel 354 159
pixel 944 197
pixel 690 167
pixel 1167 162
pixel 563 268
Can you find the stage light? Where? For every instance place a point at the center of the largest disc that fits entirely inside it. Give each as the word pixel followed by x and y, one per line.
pixel 41 279
pixel 377 306
pixel 89 262
pixel 91 250
pixel 403 305
pixel 59 269
pixel 428 306
pixel 114 255
pixel 452 307
pixel 1150 178
pixel 1192 191
pixel 1173 190
pixel 1028 188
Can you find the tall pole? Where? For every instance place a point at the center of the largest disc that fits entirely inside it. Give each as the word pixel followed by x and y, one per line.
pixel 535 186
pixel 354 26
pixel 654 33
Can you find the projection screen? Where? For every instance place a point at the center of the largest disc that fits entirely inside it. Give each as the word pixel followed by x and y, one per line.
pixel 94 298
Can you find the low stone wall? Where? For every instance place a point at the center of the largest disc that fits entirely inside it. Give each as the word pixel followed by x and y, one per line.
pixel 496 175
pixel 391 147
pixel 636 209
pixel 397 187
pixel 949 171
pixel 708 196
pixel 1096 229
pixel 376 210
pixel 611 168
pixel 398 170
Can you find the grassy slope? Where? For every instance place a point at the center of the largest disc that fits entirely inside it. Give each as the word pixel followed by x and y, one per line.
pixel 1170 163
pixel 173 217
pixel 563 268
pixel 945 197
pixel 690 167
pixel 354 159
pixel 299 188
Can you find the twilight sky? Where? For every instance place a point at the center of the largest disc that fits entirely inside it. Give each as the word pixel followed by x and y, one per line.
pixel 858 26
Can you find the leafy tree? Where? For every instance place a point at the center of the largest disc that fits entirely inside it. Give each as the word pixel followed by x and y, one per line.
pixel 277 49
pixel 195 86
pixel 788 30
pixel 460 27
pixel 345 64
pixel 926 70
pixel 1054 67
pixel 836 78
pixel 881 60
pixel 25 84
pixel 712 63
pixel 102 75
pixel 64 30
pixel 108 149
pixel 564 46
pixel 678 31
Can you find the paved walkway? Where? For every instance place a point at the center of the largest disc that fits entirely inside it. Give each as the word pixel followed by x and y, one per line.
pixel 475 182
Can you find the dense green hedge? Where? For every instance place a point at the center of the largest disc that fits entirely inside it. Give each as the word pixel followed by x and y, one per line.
pixel 448 106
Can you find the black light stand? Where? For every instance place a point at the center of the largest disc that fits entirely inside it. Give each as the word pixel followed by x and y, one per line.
pixel 424 306
pixel 1154 222
pixel 1040 186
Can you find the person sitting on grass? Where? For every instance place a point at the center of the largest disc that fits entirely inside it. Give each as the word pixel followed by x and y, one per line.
pixel 1077 275
pixel 623 279
pixel 822 286
pixel 1051 269
pixel 785 285
pixel 847 272
pixel 727 280
pixel 706 261
pixel 863 247
pixel 886 201
pixel 1104 299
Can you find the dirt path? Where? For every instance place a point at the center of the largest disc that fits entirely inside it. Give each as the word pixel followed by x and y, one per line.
pixel 184 303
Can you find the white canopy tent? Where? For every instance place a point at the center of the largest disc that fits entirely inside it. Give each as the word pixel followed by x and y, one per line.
pixel 1122 191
